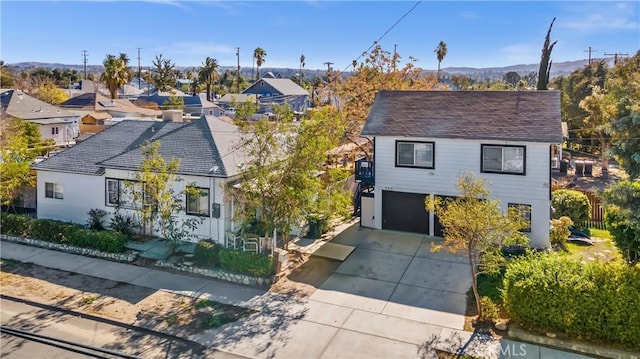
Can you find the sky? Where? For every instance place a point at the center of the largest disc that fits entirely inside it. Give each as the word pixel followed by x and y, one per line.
pixel 477 33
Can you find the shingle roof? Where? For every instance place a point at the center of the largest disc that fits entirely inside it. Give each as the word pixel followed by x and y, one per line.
pixel 285 86
pixel 204 147
pixel 237 97
pixel 491 115
pixel 93 102
pixel 16 103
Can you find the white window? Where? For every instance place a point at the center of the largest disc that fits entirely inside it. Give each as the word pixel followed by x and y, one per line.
pixel 53 190
pixel 414 154
pixel 524 210
pixel 198 202
pixel 121 193
pixel 503 159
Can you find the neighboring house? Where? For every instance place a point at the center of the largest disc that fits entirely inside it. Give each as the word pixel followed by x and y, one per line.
pixel 95 108
pixel 423 140
pixel 230 100
pixel 193 105
pixel 57 124
pixel 272 91
pixel 92 174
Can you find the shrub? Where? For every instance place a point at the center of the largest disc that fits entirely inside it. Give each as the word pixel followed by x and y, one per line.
pixel 207 254
pixel 96 219
pixel 572 204
pixel 625 236
pixel 559 232
pixel 595 300
pixel 50 230
pixel 14 224
pixel 124 224
pixel 490 310
pixel 105 241
pixel 259 265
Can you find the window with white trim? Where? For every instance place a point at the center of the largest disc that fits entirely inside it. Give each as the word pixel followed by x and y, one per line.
pixel 120 194
pixel 198 201
pixel 524 211
pixel 414 154
pixel 503 159
pixel 53 190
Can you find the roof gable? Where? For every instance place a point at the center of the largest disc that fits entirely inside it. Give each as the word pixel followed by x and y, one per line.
pixel 490 115
pixel 17 104
pixel 205 147
pixel 285 87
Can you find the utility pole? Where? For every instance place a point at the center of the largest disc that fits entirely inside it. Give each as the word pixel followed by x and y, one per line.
pixel 615 56
pixel 238 73
pixel 84 62
pixel 394 57
pixel 590 51
pixel 139 69
pixel 328 63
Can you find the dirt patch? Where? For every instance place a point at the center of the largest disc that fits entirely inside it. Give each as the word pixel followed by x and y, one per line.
pixel 152 309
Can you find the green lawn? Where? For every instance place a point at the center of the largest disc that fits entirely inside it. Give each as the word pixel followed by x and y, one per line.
pixel 603 249
pixel 599 233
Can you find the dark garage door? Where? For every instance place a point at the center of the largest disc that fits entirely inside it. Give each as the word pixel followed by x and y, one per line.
pixel 404 212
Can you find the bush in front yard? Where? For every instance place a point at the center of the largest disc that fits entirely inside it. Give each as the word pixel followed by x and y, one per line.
pixel 259 265
pixel 14 224
pixel 206 254
pixel 50 230
pixel 105 241
pixel 595 300
pixel 571 203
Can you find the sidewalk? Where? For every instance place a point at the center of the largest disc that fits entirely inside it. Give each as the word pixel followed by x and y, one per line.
pixel 290 326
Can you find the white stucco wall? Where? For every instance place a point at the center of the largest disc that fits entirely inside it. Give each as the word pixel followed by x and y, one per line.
pixel 85 192
pixel 453 157
pixel 81 193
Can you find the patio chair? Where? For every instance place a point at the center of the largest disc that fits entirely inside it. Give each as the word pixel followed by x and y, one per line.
pixel 231 240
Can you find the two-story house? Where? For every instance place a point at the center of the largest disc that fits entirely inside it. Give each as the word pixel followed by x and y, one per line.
pixel 423 140
pixel 272 91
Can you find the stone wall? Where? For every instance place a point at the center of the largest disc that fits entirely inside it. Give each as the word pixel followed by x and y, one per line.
pixel 218 274
pixel 123 257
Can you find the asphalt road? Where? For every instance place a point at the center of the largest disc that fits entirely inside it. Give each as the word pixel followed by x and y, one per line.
pixel 86 331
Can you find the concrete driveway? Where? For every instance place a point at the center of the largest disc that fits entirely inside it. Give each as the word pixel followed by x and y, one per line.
pixel 397 274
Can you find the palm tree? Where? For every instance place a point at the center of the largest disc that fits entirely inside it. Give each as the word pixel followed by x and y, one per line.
pixel 195 86
pixel 208 74
pixel 259 54
pixel 302 58
pixel 115 73
pixel 441 53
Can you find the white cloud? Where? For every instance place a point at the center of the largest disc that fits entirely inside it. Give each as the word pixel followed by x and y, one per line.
pixel 175 3
pixel 602 17
pixel 468 15
pixel 520 53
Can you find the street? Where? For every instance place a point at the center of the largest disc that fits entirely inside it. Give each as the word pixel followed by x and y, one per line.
pixel 56 324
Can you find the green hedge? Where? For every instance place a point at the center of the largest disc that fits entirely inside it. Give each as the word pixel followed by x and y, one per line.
pixel 63 233
pixel 571 203
pixel 259 265
pixel 206 254
pixel 14 225
pixel 595 300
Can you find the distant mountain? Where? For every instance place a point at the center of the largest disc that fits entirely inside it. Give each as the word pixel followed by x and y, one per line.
pixel 557 68
pixel 487 73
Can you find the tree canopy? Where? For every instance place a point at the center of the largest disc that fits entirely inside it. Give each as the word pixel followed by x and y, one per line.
pixel 475 224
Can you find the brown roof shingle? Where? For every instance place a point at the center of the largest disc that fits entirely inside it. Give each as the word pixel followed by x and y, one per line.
pixel 489 115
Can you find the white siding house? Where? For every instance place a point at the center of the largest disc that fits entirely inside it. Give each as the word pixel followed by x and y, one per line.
pixel 92 174
pixel 425 140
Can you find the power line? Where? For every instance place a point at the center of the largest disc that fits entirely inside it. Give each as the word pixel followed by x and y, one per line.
pixel 616 54
pixel 384 34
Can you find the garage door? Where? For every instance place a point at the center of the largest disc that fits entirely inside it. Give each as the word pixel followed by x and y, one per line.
pixel 404 212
